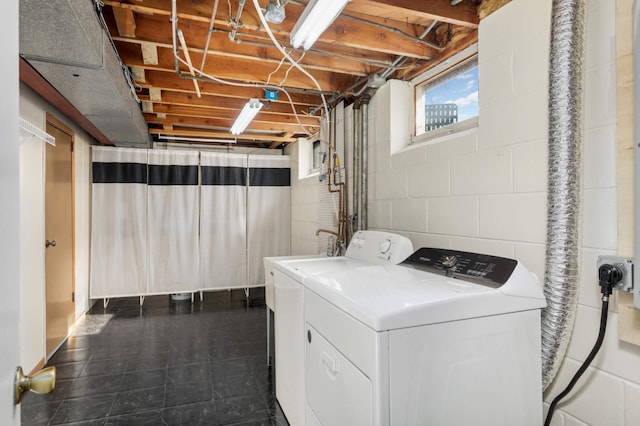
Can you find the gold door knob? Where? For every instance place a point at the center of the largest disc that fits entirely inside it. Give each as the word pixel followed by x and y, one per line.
pixel 44 381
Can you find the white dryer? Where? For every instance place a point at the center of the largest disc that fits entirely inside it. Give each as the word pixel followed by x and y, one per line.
pixel 446 338
pixel 366 248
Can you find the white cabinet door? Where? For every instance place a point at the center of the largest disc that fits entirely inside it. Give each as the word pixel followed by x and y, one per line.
pixel 338 393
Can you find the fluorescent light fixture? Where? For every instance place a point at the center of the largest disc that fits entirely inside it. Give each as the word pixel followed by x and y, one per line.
pixel 315 19
pixel 246 115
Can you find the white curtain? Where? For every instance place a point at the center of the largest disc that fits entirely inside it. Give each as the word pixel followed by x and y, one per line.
pixel 223 225
pixel 268 213
pixel 172 219
pixel 118 223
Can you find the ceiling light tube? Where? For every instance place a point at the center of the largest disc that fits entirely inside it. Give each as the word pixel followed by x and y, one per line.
pixel 246 115
pixel 315 19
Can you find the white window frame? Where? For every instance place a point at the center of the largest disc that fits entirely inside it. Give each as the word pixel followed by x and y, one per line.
pixel 448 65
pixel 305 158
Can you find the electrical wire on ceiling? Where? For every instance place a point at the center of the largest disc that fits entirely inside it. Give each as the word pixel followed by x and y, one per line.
pixel 276 70
pixel 286 75
pixel 201 73
pixel 133 87
pixel 368 61
pixel 214 11
pixel 265 24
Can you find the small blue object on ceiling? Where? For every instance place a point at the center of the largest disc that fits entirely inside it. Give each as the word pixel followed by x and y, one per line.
pixel 271 95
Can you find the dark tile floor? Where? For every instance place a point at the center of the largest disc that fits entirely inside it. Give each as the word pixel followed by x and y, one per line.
pixel 165 363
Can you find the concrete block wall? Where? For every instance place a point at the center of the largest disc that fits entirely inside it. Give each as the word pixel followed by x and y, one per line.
pixel 485 189
pixel 304 207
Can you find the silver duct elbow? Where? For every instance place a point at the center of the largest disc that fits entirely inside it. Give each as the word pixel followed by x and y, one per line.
pixel 564 182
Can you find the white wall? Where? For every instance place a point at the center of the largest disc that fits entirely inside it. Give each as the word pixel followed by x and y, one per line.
pixel 304 207
pixel 484 190
pixel 32 159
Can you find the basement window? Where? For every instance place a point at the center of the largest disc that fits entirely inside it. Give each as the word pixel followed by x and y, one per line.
pixel 309 157
pixel 446 98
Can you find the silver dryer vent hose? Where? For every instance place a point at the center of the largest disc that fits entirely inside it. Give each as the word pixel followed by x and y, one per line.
pixel 564 182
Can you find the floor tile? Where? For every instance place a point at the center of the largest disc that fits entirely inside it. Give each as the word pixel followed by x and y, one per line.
pixel 96 385
pixel 70 355
pixel 187 393
pixel 39 414
pixel 202 413
pixel 180 357
pixel 83 409
pixel 143 379
pixel 148 361
pixel 164 364
pixel 242 409
pixel 138 400
pixel 228 386
pixel 188 373
pixel 101 367
pixel 146 418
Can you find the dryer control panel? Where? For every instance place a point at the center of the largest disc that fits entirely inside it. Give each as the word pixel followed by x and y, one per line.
pixel 492 271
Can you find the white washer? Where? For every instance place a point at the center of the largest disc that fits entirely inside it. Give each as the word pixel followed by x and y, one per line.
pixel 446 338
pixel 366 248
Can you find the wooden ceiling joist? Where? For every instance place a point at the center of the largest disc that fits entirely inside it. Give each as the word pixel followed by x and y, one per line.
pixel 206 134
pixel 364 40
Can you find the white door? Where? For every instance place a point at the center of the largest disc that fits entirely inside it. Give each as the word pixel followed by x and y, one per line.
pixel 9 212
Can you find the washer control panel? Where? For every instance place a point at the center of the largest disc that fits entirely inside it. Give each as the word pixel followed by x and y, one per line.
pixel 492 271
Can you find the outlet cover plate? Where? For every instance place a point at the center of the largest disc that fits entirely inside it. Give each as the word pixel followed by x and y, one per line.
pixel 626 265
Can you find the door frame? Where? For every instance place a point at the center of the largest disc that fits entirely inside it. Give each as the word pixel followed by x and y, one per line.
pixel 51 120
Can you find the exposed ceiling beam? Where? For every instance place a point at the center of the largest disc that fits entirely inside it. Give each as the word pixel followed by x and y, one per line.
pixel 464 14
pixel 167 81
pixel 222 123
pixel 215 102
pixel 343 31
pixel 239 70
pixel 265 116
pixel 208 134
pixel 451 50
pixel 125 22
pixel 252 46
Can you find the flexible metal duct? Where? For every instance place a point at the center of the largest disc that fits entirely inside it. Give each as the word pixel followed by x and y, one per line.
pixel 357 165
pixel 364 159
pixel 564 182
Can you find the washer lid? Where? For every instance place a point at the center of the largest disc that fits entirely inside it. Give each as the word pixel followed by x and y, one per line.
pixel 366 247
pixel 387 297
pixel 300 269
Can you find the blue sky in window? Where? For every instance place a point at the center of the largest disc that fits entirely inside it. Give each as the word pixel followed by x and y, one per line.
pixel 461 90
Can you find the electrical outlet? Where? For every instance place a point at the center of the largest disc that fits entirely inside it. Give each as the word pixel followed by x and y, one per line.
pixel 626 266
